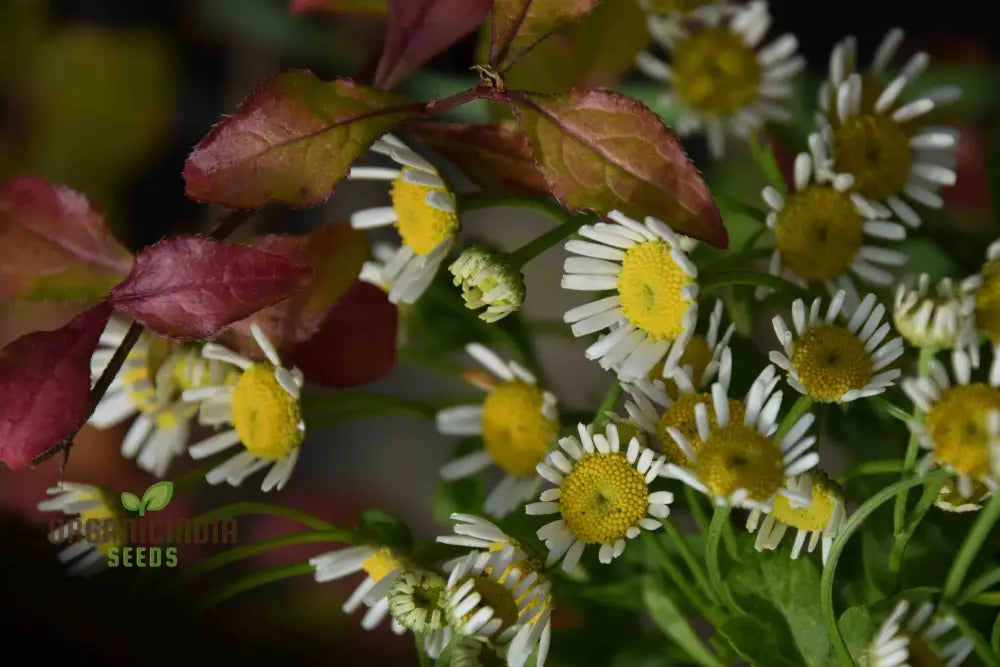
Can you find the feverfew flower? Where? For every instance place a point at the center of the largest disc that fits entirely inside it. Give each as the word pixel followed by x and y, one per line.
pixel 381 567
pixel 423 211
pixel 88 503
pixel 487 278
pixel 903 641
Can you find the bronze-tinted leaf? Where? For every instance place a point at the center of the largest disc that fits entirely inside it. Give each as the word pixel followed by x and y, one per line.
pixel 518 25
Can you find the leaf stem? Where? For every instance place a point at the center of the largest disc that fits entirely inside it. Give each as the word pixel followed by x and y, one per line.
pixel 608 404
pixel 251 581
pixel 984 523
pixel 890 409
pixel 545 206
pixel 877 467
pixel 980 584
pixel 480 92
pixel 799 408
pixel 697 511
pixel 689 558
pixel 764 157
pixel 720 519
pixel 721 277
pixel 518 258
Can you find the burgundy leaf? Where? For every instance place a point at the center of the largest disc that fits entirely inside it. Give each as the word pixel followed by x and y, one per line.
pixel 56 245
pixel 356 344
pixel 518 25
pixel 291 141
pixel 421 29
pixel 45 386
pixel 190 288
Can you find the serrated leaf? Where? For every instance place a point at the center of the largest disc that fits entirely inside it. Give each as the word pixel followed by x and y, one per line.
pixel 356 342
pixel 157 496
pixel 56 245
pixel 494 156
pixel 518 25
pixel 335 253
pixel 602 151
pixel 130 501
pixel 421 29
pixel 45 386
pixel 291 141
pixel 338 6
pixel 190 288
pixel 386 529
pixel 671 621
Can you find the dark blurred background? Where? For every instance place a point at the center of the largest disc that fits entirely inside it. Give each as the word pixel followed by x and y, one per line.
pixel 108 96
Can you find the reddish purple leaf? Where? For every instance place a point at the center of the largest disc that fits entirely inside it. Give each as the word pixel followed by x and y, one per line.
pixel 56 245
pixel 291 141
pixel 518 25
pixel 191 288
pixel 356 344
pixel 421 29
pixel 600 150
pixel 494 156
pixel 45 386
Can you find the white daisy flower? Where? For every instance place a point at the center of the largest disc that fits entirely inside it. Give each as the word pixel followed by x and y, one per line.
pixel 950 500
pixel 148 387
pixel 982 290
pixel 373 270
pixel 899 645
pixel 602 496
pixel 820 520
pixel 90 504
pixel 263 409
pixel 488 279
pixel 940 319
pixel 823 232
pixel 517 421
pixel 884 142
pixel 719 74
pixel 417 602
pixel 960 421
pixel 381 567
pixel 423 211
pixel 654 309
pixel 476 533
pixel 494 597
pixel 834 363
pixel 738 461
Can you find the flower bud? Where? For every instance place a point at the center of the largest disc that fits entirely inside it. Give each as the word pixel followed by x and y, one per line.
pixel 487 279
pixel 939 319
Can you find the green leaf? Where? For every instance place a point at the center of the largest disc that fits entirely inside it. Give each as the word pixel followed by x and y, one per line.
pixel 624 594
pixel 602 151
pixel 291 141
pixel 385 529
pixel 130 501
pixel 669 618
pixel 518 25
pixel 857 628
pixel 339 6
pixel 157 496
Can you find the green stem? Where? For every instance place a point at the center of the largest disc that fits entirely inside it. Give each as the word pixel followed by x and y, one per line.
pixel 676 576
pixel 444 659
pixel 319 410
pixel 891 409
pixel 518 258
pixel 251 581
pixel 696 509
pixel 990 657
pixel 240 509
pixel 710 279
pixel 980 584
pixel 548 207
pixel 799 408
pixel 689 558
pixel 879 467
pixel 720 519
pixel 261 546
pixel 830 569
pixel 900 537
pixel 989 599
pixel 926 501
pixel 995 635
pixel 970 547
pixel 608 404
pixel 764 157
pixel 422 658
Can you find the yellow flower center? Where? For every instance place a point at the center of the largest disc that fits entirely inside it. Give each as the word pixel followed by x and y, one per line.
pixel 814 517
pixel 601 497
pixel 139 373
pixel 265 415
pixel 497 597
pixel 697 355
pixel 101 513
pixel 988 301
pixel 876 151
pixel 421 226
pixel 380 564
pixel 738 457
pixel 680 415
pixel 650 285
pixel 831 361
pixel 818 233
pixel 715 72
pixel 679 6
pixel 957 423
pixel 515 432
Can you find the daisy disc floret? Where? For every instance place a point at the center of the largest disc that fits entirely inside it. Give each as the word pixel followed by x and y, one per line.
pixel 882 140
pixel 739 462
pixel 720 75
pixel 602 495
pixel 382 567
pixel 488 280
pixel 926 317
pixel 91 505
pixel 983 292
pixel 517 421
pixel 910 640
pixel 833 362
pixel 423 211
pixel 960 421
pixel 654 309
pixel 262 409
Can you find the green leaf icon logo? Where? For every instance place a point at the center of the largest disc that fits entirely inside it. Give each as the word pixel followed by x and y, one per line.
pixel 156 497
pixel 130 501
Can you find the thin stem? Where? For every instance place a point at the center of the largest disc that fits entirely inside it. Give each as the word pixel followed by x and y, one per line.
pixel 879 467
pixel 970 547
pixel 251 581
pixel 995 635
pixel 676 576
pixel 799 408
pixel 608 404
pixel 719 520
pixel 697 511
pixel 422 658
pixel 240 509
pixel 335 407
pixel 890 409
pixel 480 92
pixel 689 558
pixel 926 501
pixel 261 546
pixel 547 207
pixel 710 279
pixel 980 584
pixel 537 246
pixel 764 157
pixel 830 569
pixel 989 599
pixel 986 653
